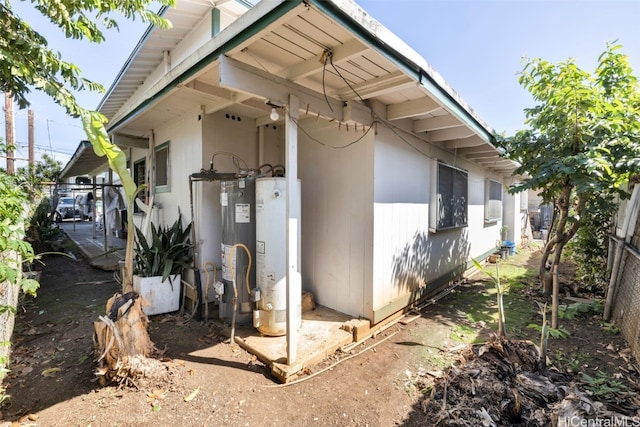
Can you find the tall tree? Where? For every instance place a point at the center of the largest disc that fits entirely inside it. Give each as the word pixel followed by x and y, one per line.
pixel 581 145
pixel 26 63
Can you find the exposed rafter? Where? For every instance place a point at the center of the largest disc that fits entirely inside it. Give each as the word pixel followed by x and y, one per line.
pixel 477 149
pixel 380 85
pixel 435 123
pixel 416 107
pixel 484 155
pixel 472 141
pixel 213 91
pixel 341 53
pixel 458 132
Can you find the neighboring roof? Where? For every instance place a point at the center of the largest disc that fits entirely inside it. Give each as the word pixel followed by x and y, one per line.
pixel 83 162
pixel 291 39
pixel 86 162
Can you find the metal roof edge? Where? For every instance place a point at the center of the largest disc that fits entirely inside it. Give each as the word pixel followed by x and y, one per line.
pixel 275 9
pixel 353 16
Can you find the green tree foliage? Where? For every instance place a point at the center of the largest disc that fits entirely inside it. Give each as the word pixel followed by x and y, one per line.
pixel 27 63
pixel 45 170
pixel 581 144
pixel 14 250
pixel 589 250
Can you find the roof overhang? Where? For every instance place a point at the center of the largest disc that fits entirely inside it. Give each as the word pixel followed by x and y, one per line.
pixel 331 48
pixel 85 161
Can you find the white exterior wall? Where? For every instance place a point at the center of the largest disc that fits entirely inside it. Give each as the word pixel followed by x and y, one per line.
pixel 406 255
pixel 222 134
pixel 185 157
pixel 337 214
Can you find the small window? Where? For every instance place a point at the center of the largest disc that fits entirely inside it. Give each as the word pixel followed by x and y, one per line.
pixel 451 198
pixel 492 201
pixel 139 177
pixel 162 167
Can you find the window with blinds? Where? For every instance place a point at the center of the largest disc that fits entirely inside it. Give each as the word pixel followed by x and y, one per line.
pixel 451 198
pixel 139 177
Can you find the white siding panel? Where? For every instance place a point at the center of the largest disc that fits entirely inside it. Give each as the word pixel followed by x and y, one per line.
pixel 401 216
pixel 337 217
pixel 406 255
pixel 185 136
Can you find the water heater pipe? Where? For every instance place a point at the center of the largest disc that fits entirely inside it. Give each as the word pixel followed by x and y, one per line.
pixel 232 252
pixel 206 286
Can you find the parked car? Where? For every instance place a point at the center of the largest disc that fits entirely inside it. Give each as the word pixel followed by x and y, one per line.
pixel 67 209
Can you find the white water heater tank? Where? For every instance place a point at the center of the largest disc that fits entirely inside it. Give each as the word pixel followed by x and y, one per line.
pixel 271 258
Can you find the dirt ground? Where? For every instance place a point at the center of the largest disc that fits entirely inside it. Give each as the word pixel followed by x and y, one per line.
pixel 381 382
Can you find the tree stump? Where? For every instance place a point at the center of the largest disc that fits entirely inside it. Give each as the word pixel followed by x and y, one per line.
pixel 122 344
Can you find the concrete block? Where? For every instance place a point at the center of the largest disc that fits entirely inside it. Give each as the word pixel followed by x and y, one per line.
pixel 360 328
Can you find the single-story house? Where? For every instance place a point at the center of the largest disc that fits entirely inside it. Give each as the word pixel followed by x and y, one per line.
pixel 400 183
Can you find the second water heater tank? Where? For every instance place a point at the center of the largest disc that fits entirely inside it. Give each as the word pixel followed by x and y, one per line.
pixel 271 257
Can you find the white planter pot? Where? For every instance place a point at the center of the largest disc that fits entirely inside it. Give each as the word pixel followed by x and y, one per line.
pixel 161 297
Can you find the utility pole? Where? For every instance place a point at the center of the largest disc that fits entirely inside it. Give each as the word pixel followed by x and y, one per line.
pixel 9 137
pixel 31 141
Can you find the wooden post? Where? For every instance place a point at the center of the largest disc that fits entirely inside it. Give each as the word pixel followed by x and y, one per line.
pixel 554 298
pixel 9 137
pixel 31 141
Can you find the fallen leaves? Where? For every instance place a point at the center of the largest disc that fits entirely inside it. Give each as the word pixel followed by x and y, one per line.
pixel 154 398
pixel 192 395
pixel 27 418
pixel 49 371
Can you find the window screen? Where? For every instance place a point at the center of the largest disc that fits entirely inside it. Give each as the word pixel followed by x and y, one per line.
pixel 452 197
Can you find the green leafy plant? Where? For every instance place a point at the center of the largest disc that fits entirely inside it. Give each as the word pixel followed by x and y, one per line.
pixel 579 148
pixel 571 311
pixel 610 328
pixel 504 231
pixel 605 386
pixel 14 251
pixel 559 332
pixel 589 250
pixel 500 293
pixel 168 252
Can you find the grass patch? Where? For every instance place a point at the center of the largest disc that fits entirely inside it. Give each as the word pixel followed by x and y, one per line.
pixel 464 334
pixel 474 308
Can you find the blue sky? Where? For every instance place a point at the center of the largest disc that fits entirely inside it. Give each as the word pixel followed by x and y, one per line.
pixel 476 45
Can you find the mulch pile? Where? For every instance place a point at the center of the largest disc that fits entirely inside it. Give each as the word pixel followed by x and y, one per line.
pixel 504 383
